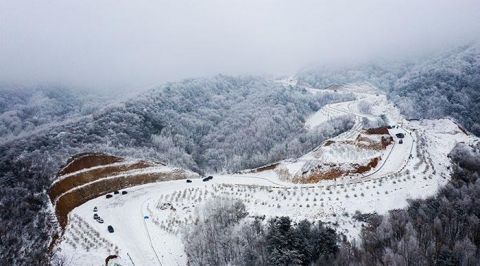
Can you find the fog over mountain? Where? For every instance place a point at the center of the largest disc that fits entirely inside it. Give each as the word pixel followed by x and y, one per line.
pixel 135 44
pixel 240 132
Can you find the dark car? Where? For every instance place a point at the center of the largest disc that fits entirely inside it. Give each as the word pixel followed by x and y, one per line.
pixel 95 209
pixel 400 135
pixel 400 142
pixel 124 192
pixel 189 181
pixel 208 178
pixel 108 196
pixel 110 229
pixel 116 192
pixel 100 220
pixel 95 216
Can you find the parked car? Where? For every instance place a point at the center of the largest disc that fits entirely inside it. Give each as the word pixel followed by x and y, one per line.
pixel 208 178
pixel 401 141
pixel 95 209
pixel 116 192
pixel 108 196
pixel 110 229
pixel 124 192
pixel 95 216
pixel 189 181
pixel 100 220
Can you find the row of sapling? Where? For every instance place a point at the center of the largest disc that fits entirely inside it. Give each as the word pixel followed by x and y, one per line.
pixel 80 232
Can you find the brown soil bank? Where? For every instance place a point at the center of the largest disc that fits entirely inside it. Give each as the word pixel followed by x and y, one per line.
pixel 91 175
pixel 318 176
pixel 76 197
pixel 87 160
pixel 360 169
pixel 377 131
pixel 335 172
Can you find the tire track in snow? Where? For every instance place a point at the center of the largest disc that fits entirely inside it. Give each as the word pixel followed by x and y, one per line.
pixel 147 232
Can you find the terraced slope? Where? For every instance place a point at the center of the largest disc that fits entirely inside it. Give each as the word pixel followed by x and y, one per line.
pixel 90 175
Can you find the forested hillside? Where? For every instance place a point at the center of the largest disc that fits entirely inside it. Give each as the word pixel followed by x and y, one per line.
pixel 446 85
pixel 224 236
pixel 212 124
pixel 25 109
pixel 230 124
pixel 224 124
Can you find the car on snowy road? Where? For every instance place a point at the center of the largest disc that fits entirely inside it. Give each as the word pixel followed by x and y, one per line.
pixel 207 178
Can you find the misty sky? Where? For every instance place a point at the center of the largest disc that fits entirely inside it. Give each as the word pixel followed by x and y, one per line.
pixel 136 43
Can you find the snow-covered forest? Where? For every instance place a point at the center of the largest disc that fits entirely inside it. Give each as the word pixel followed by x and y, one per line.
pixel 229 124
pixel 211 124
pixel 224 236
pixel 25 110
pixel 445 85
pixel 225 124
pixel 240 132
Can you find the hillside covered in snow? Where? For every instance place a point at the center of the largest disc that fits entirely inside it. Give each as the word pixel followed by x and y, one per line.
pixel 327 155
pixel 365 170
pixel 444 85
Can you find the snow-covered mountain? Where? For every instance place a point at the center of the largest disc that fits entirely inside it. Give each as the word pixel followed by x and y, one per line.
pixel 149 220
pixel 340 150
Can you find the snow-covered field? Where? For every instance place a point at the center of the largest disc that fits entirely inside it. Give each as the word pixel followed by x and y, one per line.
pixel 148 220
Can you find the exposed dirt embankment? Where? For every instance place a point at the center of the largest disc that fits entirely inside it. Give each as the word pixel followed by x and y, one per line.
pixel 318 175
pixel 360 169
pixel 377 131
pixel 87 160
pixel 337 158
pixel 76 197
pixel 328 143
pixel 334 172
pixel 90 175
